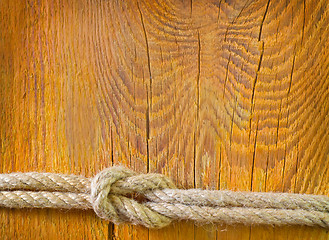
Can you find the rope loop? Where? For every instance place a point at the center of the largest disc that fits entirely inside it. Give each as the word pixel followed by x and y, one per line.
pixel 152 200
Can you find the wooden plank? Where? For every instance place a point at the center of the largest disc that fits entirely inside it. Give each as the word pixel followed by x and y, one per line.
pixel 215 94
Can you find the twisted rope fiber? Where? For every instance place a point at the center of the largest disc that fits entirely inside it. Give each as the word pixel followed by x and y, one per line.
pixel 120 195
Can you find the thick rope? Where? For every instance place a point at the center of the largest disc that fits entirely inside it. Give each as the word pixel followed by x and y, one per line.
pixel 120 195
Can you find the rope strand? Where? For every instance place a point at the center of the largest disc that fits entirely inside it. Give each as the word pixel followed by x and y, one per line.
pixel 120 195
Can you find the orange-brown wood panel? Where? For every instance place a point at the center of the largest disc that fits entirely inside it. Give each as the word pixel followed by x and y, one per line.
pixel 215 94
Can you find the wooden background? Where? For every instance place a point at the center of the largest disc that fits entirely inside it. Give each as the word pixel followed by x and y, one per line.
pixel 215 94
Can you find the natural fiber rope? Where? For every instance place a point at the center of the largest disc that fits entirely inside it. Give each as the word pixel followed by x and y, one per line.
pixel 120 195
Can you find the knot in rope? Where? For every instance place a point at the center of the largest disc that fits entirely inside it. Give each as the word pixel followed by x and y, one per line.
pixel 101 188
pixel 111 196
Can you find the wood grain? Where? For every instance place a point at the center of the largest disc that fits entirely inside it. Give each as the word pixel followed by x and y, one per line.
pixel 215 94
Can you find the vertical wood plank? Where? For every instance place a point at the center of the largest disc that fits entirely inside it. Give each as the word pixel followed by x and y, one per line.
pixel 214 94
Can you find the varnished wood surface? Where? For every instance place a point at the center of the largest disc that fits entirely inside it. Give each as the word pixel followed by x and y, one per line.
pixel 215 94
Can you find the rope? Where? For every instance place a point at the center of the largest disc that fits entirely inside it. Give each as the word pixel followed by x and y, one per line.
pixel 120 195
